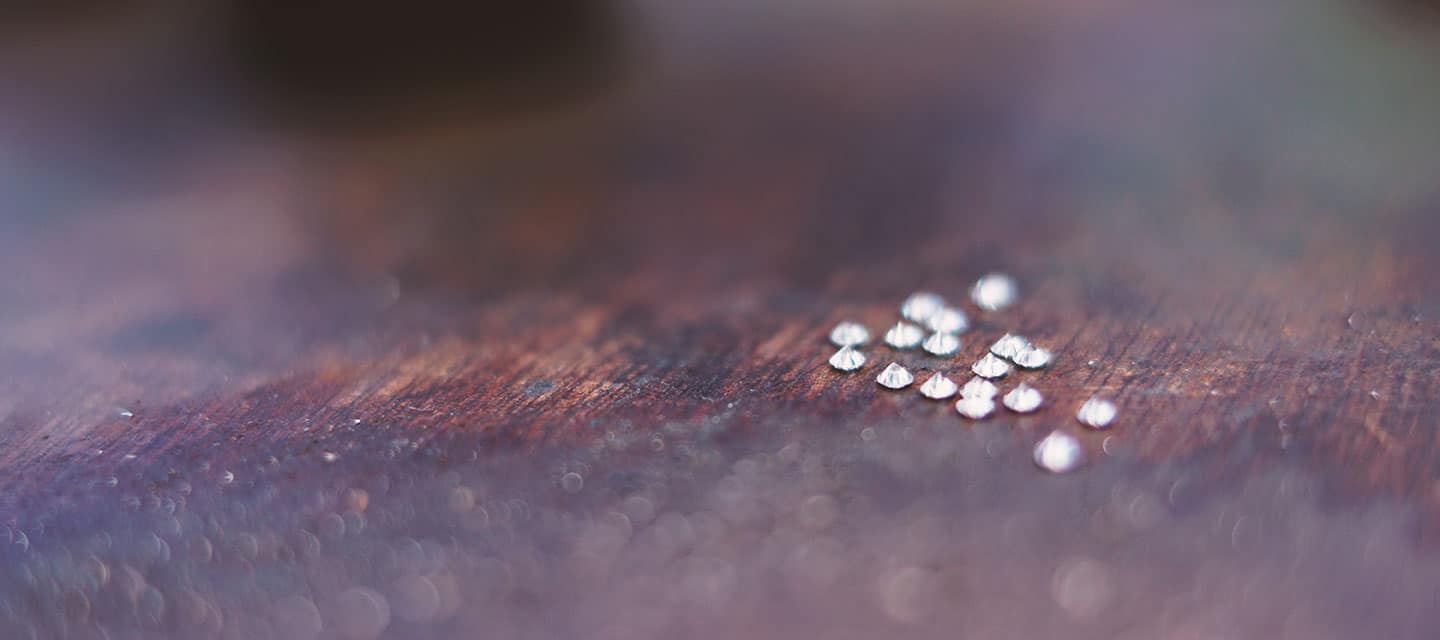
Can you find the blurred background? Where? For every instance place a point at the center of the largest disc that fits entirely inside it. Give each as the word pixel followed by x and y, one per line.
pixel 438 260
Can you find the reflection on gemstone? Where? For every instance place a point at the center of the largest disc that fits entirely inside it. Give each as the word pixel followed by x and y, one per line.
pixel 849 334
pixel 895 377
pixel 1059 453
pixel 920 306
pixel 975 407
pixel 1096 413
pixel 904 336
pixel 948 320
pixel 847 359
pixel 991 366
pixel 938 387
pixel 1023 399
pixel 941 344
pixel 994 291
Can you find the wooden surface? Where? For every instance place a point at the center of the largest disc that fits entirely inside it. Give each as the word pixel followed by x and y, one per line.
pixel 1224 218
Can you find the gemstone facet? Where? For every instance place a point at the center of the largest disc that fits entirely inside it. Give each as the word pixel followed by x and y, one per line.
pixel 975 407
pixel 979 387
pixel 941 344
pixel 1059 453
pixel 849 334
pixel 938 387
pixel 1023 399
pixel 994 291
pixel 991 367
pixel 921 305
pixel 1032 357
pixel 904 336
pixel 1009 346
pixel 894 377
pixel 847 359
pixel 949 320
pixel 1096 413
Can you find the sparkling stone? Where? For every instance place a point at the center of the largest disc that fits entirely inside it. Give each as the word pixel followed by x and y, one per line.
pixel 938 387
pixel 849 334
pixel 1009 346
pixel 921 305
pixel 979 387
pixel 994 291
pixel 1032 357
pixel 1059 453
pixel 949 320
pixel 975 407
pixel 894 377
pixel 1096 413
pixel 941 344
pixel 991 367
pixel 904 336
pixel 1023 399
pixel 847 359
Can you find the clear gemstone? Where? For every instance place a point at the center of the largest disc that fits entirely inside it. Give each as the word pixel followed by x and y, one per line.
pixel 921 305
pixel 949 320
pixel 1023 399
pixel 847 359
pixel 941 344
pixel 979 387
pixel 1032 357
pixel 975 407
pixel 1059 453
pixel 904 336
pixel 894 377
pixel 1096 413
pixel 991 367
pixel 938 387
pixel 849 334
pixel 994 291
pixel 1009 346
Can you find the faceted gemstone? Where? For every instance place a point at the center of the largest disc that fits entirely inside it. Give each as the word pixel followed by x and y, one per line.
pixel 994 291
pixel 1009 346
pixel 1096 413
pixel 991 367
pixel 1023 399
pixel 938 387
pixel 948 320
pixel 849 334
pixel 1059 453
pixel 975 407
pixel 904 336
pixel 847 359
pixel 920 306
pixel 894 377
pixel 979 387
pixel 941 344
pixel 1032 357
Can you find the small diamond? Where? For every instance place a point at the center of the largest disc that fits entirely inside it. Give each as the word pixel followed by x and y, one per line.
pixel 894 377
pixel 1023 399
pixel 1059 453
pixel 938 387
pixel 975 407
pixel 904 336
pixel 991 367
pixel 948 320
pixel 921 305
pixel 1032 357
pixel 994 291
pixel 1096 413
pixel 849 334
pixel 979 387
pixel 847 359
pixel 941 344
pixel 1009 346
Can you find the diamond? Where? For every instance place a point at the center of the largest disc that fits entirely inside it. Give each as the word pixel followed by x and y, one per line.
pixel 941 344
pixel 1032 357
pixel 1023 399
pixel 894 377
pixel 1059 453
pixel 948 320
pixel 994 291
pixel 1009 346
pixel 991 367
pixel 904 336
pixel 938 387
pixel 1096 413
pixel 975 407
pixel 847 359
pixel 979 387
pixel 921 305
pixel 849 334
